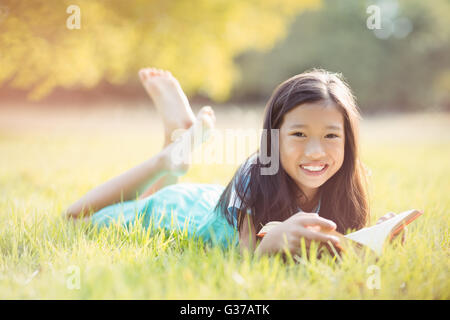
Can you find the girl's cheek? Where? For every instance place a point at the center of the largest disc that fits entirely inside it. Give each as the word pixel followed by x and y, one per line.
pixel 336 147
pixel 290 148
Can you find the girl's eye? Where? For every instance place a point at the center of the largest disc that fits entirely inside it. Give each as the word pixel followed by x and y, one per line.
pixel 298 134
pixel 302 135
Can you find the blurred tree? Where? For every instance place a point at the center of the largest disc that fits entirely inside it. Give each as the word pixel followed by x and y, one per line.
pixel 195 39
pixel 405 65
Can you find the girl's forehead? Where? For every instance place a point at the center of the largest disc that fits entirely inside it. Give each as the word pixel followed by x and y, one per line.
pixel 314 114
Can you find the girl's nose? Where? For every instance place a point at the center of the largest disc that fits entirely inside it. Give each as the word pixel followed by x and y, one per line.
pixel 314 149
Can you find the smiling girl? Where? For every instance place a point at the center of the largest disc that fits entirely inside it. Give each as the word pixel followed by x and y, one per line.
pixel 321 181
pixel 311 122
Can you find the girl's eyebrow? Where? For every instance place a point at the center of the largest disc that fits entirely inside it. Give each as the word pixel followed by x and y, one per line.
pixel 331 126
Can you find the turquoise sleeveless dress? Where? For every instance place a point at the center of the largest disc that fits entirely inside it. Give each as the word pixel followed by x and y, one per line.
pixel 187 207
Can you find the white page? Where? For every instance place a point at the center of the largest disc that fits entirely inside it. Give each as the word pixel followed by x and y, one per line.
pixel 375 236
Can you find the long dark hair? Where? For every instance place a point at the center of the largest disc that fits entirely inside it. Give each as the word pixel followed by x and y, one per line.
pixel 344 197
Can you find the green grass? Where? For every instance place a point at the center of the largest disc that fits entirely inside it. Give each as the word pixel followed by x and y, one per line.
pixel 46 165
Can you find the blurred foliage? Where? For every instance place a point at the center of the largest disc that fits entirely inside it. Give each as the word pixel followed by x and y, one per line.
pixel 218 47
pixel 195 39
pixel 387 69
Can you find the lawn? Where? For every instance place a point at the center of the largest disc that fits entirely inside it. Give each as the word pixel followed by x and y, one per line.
pixel 50 157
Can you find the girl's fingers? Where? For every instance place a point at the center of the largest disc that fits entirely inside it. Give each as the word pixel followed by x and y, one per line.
pixel 303 214
pixel 314 228
pixel 315 220
pixel 319 236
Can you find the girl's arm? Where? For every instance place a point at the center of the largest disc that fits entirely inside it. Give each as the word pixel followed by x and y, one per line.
pixel 249 242
pixel 288 234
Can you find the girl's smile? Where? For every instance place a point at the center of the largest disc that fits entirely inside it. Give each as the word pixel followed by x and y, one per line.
pixel 314 170
pixel 312 144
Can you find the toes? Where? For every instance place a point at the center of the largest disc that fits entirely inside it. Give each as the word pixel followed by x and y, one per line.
pixel 154 72
pixel 206 110
pixel 209 110
pixel 143 74
pixel 150 72
pixel 206 117
pixel 147 73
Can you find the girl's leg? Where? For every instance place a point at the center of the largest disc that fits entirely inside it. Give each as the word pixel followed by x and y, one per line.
pixel 165 180
pixel 169 99
pixel 160 168
pixel 120 188
pixel 173 105
pixel 133 182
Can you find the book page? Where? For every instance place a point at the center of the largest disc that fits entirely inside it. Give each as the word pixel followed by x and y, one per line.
pixel 374 237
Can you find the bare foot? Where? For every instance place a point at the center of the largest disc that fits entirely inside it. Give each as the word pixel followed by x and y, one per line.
pixel 169 99
pixel 177 155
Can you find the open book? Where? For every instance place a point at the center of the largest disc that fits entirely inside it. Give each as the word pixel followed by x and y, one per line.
pixel 373 237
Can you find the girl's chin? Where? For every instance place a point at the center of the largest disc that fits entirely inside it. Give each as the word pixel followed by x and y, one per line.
pixel 307 183
pixel 311 186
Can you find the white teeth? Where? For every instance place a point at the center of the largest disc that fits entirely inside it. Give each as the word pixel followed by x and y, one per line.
pixel 311 168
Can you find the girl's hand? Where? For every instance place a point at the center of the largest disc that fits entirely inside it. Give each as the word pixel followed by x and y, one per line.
pixel 288 234
pixel 388 216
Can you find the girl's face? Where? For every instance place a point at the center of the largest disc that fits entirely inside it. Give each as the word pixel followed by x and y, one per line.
pixel 312 144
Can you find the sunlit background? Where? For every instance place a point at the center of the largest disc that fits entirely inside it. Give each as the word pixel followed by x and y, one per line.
pixel 74 114
pixel 225 50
